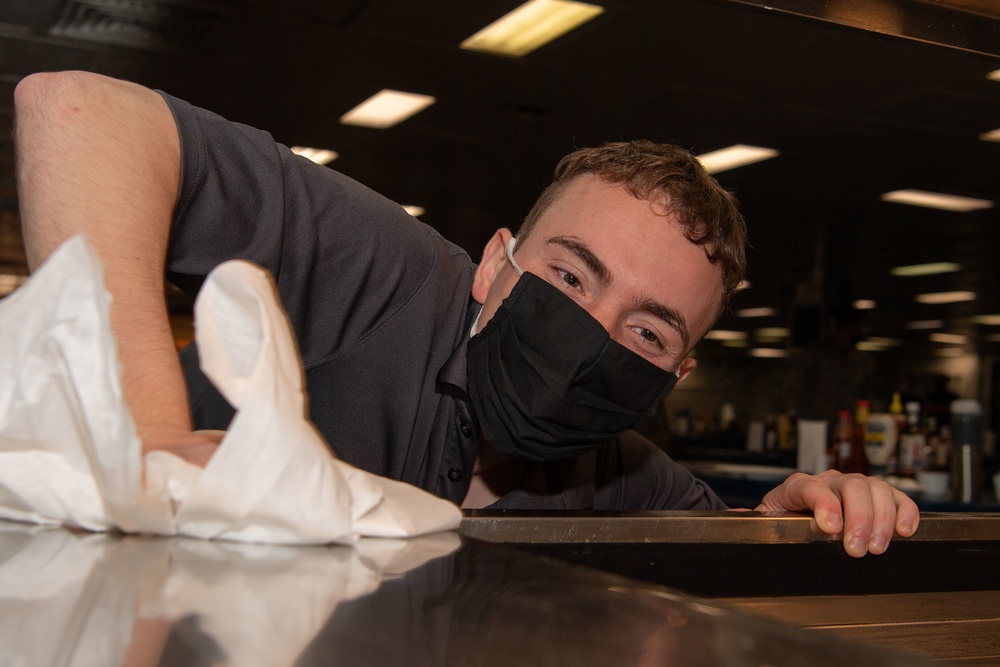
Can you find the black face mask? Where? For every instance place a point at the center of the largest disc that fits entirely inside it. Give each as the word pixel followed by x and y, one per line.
pixel 548 382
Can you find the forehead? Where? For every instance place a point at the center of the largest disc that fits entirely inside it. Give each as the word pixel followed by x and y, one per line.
pixel 641 243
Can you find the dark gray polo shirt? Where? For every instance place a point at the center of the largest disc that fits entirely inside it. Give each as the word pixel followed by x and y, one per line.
pixel 381 308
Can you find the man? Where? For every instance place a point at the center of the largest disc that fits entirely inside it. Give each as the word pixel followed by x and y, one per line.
pixel 580 328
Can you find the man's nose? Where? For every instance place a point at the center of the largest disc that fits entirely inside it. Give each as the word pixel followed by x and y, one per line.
pixel 605 313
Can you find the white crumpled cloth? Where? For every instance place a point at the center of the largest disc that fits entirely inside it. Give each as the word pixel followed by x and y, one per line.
pixel 69 452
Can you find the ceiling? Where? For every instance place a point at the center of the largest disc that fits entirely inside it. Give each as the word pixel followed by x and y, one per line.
pixel 854 113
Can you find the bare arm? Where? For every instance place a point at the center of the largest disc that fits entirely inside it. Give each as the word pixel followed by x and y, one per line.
pixel 102 156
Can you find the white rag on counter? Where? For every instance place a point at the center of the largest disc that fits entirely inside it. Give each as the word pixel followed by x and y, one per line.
pixel 69 452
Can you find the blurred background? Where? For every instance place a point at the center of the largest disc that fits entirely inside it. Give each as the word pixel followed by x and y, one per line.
pixel 852 102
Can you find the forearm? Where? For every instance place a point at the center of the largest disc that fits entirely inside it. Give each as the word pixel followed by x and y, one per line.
pixel 102 157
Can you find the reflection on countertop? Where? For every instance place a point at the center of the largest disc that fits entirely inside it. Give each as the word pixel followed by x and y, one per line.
pixel 102 599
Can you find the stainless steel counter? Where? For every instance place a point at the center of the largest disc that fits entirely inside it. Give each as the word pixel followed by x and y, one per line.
pixel 85 599
pixel 936 593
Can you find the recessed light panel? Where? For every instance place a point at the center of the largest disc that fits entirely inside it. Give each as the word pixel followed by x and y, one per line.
pixel 735 156
pixel 530 26
pixel 317 155
pixel 992 135
pixel 864 304
pixel 722 334
pixel 951 339
pixel 767 353
pixel 945 297
pixel 937 200
pixel 386 108
pixel 925 269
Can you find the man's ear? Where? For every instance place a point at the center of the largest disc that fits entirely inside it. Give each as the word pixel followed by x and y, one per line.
pixel 687 365
pixel 494 257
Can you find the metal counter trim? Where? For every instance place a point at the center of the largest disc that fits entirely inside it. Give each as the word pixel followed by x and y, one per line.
pixel 698 527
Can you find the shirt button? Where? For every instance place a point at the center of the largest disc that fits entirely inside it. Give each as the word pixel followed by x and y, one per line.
pixel 466 430
pixel 455 474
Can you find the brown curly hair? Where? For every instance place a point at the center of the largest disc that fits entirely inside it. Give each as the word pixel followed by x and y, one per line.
pixel 672 177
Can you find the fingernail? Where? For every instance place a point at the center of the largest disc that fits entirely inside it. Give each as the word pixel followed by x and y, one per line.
pixel 906 526
pixel 834 522
pixel 857 547
pixel 877 545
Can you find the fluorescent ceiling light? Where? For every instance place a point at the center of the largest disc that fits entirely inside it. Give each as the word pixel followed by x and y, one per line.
pixel 945 297
pixel 885 342
pixel 415 211
pixel 530 26
pixel 925 269
pixel 995 75
pixel 722 334
pixel 317 155
pixel 951 339
pixel 735 156
pixel 755 312
pixel 936 200
pixel 925 324
pixel 986 319
pixel 992 135
pixel 767 353
pixel 386 108
pixel 771 332
pixel 864 304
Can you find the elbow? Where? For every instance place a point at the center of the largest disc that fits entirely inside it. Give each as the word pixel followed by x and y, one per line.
pixel 52 92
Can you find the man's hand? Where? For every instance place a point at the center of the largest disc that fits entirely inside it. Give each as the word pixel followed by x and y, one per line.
pixel 865 509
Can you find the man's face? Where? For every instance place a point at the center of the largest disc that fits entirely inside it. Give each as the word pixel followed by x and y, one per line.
pixel 622 260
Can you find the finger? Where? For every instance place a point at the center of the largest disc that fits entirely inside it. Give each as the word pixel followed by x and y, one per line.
pixel 883 516
pixel 907 514
pixel 859 513
pixel 812 493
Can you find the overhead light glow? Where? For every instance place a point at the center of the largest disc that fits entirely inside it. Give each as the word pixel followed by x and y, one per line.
pixel 949 352
pixel 992 135
pixel 925 269
pixel 771 332
pixel 869 346
pixel 531 26
pixel 885 342
pixel 864 304
pixel 987 319
pixel 738 155
pixel 951 339
pixel 722 334
pixel 755 312
pixel 937 200
pixel 995 75
pixel 317 155
pixel 734 343
pixel 386 108
pixel 415 211
pixel 744 284
pixel 945 297
pixel 925 324
pixel 767 352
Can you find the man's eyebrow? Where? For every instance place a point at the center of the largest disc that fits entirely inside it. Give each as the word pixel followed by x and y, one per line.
pixel 580 249
pixel 671 317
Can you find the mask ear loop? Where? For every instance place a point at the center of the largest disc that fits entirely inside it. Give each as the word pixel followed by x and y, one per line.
pixel 510 255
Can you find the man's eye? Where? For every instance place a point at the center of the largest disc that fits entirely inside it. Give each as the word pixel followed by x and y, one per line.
pixel 569 279
pixel 648 336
